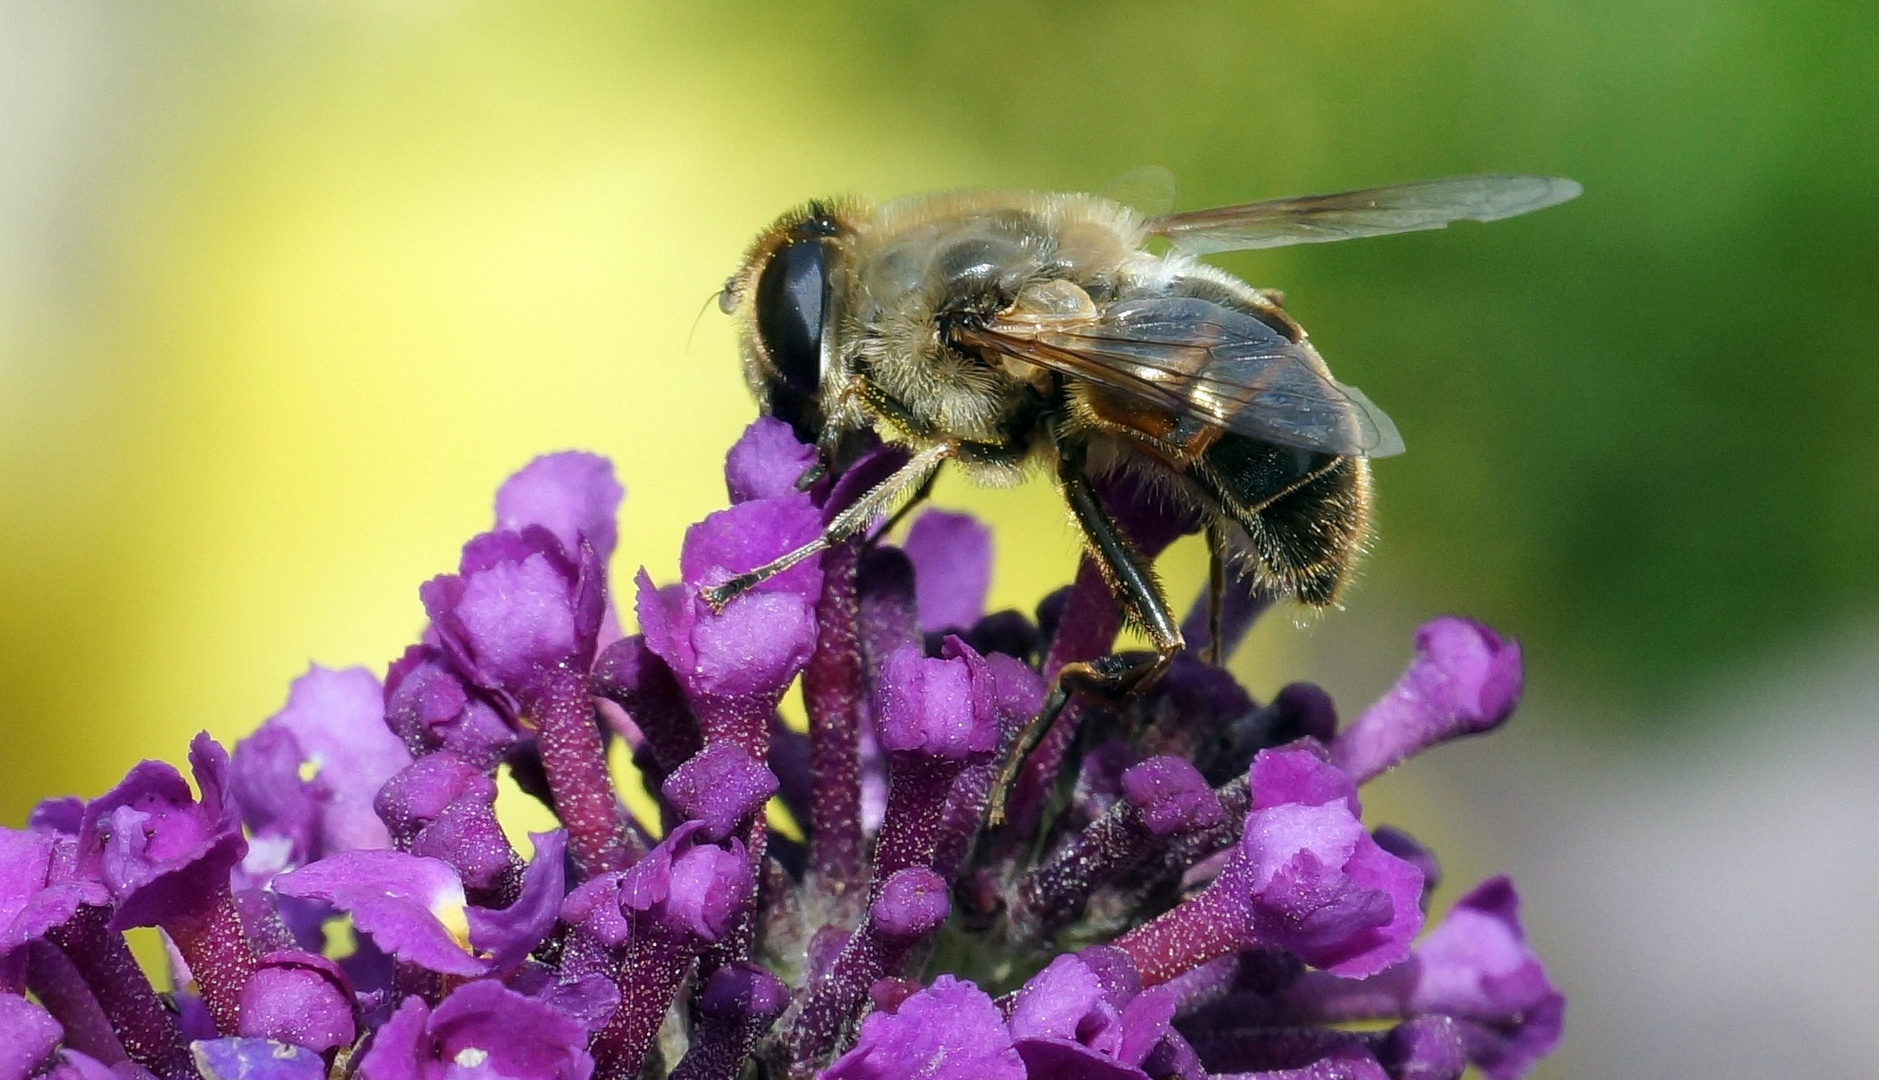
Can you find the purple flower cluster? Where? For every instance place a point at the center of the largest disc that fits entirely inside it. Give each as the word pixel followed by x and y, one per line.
pixel 1183 885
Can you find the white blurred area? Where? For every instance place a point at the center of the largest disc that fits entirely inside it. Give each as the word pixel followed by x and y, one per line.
pixel 1707 898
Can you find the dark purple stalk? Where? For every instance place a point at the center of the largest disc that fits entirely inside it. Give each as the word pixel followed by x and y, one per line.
pixel 1262 1050
pixel 1203 927
pixel 61 989
pixel 906 910
pixel 1052 896
pixel 148 1031
pixel 576 765
pixel 917 789
pixel 267 931
pixel 889 619
pixel 834 690
pixel 735 1007
pixel 1319 998
pixel 838 995
pixel 656 963
pixel 218 954
pixel 741 720
pixel 964 813
pixel 632 677
pixel 789 760
pixel 410 980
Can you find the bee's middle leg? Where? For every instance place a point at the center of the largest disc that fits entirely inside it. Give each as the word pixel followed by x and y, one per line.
pixel 1106 676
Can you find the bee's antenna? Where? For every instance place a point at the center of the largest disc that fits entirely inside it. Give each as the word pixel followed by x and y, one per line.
pixel 717 298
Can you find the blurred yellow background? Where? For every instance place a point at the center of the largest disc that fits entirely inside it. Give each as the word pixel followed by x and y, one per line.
pixel 287 289
pixel 375 263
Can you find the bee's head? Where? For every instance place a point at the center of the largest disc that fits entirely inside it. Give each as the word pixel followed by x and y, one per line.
pixel 781 299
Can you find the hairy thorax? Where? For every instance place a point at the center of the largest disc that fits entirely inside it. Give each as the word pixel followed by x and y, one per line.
pixel 932 262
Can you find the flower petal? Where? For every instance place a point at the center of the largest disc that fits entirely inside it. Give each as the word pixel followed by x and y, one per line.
pixel 412 907
pixel 952 561
pixel 571 494
pixel 949 1031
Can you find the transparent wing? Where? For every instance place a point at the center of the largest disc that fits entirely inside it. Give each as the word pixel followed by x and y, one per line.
pixel 1148 189
pixel 1196 358
pixel 1317 219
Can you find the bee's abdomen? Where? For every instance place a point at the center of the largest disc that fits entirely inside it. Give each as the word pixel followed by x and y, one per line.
pixel 1306 514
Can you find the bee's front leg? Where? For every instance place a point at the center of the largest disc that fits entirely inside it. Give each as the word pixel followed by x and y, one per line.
pixel 911 477
pixel 1106 676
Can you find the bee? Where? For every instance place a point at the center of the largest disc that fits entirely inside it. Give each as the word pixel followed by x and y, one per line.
pixel 1004 332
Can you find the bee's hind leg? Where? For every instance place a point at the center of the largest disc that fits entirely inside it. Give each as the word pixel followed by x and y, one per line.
pixel 1110 676
pixel 1216 589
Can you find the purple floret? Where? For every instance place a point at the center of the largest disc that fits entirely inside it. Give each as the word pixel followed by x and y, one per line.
pixel 520 609
pixel 412 907
pixel 1465 680
pixel 320 761
pixel 245 1058
pixel 720 786
pixel 912 904
pixel 1069 1022
pixel 1305 877
pixel 164 855
pixel 1477 967
pixel 571 494
pixel 1171 795
pixel 36 891
pixel 734 664
pixel 28 1035
pixel 952 562
pixel 940 707
pixel 482 1030
pixel 949 1031
pixel 766 462
pixel 299 999
pixel 1203 854
pixel 430 708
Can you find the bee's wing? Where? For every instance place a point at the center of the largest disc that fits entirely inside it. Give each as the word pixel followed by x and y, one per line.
pixel 1317 219
pixel 1196 358
pixel 1148 190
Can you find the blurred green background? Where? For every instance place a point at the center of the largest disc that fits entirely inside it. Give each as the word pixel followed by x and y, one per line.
pixel 287 288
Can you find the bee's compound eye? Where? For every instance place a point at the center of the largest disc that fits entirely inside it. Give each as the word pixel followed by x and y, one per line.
pixel 791 296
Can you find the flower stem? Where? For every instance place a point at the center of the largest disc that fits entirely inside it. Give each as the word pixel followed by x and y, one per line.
pixel 60 987
pixel 148 1031
pixel 917 787
pixel 576 764
pixel 1052 896
pixel 655 965
pixel 217 952
pixel 834 692
pixel 1202 928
